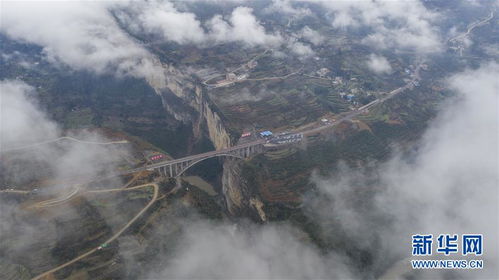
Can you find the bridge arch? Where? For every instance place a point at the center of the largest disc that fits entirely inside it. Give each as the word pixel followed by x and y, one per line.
pixel 205 158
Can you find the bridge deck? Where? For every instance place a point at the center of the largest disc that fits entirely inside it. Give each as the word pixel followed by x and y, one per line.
pixel 195 157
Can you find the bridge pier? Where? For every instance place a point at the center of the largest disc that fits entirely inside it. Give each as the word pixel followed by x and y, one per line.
pixel 166 171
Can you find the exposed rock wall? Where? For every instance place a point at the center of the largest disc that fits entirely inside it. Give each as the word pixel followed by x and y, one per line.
pixel 216 130
pixel 189 103
pixel 186 100
pixel 233 186
pixel 239 196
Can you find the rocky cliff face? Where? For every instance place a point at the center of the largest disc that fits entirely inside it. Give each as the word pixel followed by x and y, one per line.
pixel 239 195
pixel 232 187
pixel 216 130
pixel 185 99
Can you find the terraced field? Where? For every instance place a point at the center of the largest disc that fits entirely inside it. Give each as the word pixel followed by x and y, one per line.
pixel 271 105
pixel 283 175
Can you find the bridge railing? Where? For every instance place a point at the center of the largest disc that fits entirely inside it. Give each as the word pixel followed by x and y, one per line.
pixel 246 148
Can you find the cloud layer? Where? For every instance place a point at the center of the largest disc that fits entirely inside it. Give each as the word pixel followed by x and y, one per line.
pixel 449 186
pixel 220 251
pixel 312 36
pixel 243 27
pixel 24 124
pixel 95 36
pixel 87 36
pixel 165 21
pixel 82 35
pixel 287 7
pixel 392 24
pixel 379 64
pixel 22 121
pixel 162 19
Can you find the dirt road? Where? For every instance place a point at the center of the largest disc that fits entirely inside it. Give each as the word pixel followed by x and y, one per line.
pixel 64 138
pixel 116 235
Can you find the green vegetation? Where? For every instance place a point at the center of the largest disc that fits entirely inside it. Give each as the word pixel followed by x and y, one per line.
pixel 281 174
pixel 79 100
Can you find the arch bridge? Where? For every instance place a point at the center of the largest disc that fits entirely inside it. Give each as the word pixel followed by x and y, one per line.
pixel 175 168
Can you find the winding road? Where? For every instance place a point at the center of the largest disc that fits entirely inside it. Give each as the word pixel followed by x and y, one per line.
pixel 350 115
pixel 76 190
pixel 59 200
pixel 471 27
pixel 116 235
pixel 14 191
pixel 64 138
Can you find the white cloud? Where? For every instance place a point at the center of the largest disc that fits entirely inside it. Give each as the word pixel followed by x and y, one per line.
pixel 23 124
pixel 218 251
pixel 163 19
pixel 287 7
pixel 245 95
pixel 311 36
pixel 82 35
pixel 242 26
pixel 55 168
pixel 394 24
pixel 379 64
pixel 300 49
pixel 21 120
pixel 423 40
pixel 450 186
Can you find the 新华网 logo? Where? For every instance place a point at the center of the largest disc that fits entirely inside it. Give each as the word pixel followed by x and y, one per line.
pixel 423 245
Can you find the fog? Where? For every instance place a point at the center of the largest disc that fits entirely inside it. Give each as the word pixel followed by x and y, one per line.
pixel 379 64
pixel 28 153
pixel 95 36
pixel 448 186
pixel 80 34
pixel 220 251
pixel 22 121
pixel 31 159
pixel 415 26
